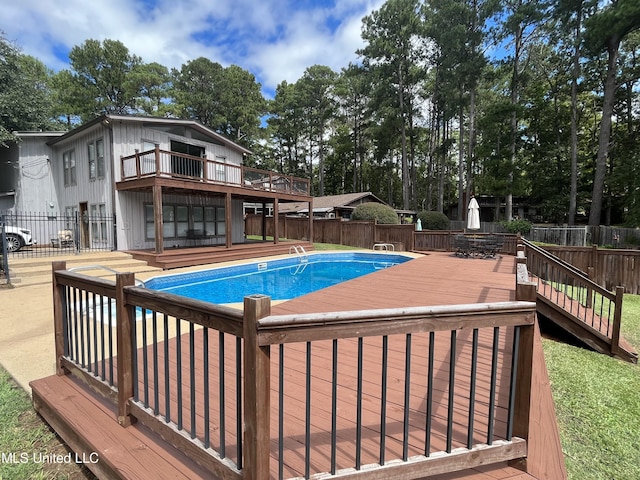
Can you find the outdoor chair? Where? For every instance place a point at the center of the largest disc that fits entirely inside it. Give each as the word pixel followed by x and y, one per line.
pixel 461 246
pixel 63 240
pixel 493 245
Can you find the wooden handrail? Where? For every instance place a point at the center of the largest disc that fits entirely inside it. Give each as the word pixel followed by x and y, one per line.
pixel 241 169
pixel 354 324
pixel 206 314
pixel 570 270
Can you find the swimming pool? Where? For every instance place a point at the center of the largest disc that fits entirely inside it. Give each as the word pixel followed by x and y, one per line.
pixel 281 279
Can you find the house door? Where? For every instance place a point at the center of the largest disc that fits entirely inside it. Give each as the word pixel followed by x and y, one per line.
pixel 185 166
pixel 85 239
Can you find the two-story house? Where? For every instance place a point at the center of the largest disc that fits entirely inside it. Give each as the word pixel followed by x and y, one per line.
pixel 165 183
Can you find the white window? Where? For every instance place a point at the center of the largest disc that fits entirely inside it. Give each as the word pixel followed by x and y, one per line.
pixel 177 219
pixel 96 159
pixel 69 165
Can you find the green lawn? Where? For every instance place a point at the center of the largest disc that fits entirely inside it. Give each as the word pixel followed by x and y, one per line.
pixel 24 434
pixel 598 405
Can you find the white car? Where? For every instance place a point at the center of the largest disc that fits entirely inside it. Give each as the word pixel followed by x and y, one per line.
pixel 17 237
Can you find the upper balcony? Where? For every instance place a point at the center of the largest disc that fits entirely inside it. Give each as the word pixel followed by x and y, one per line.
pixel 180 166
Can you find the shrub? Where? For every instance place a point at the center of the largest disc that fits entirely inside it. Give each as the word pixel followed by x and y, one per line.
pixel 375 211
pixel 433 220
pixel 517 226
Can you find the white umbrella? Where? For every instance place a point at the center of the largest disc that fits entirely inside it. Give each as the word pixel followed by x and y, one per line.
pixel 419 225
pixel 473 217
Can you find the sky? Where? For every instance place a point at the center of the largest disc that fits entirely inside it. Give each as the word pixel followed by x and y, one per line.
pixel 275 40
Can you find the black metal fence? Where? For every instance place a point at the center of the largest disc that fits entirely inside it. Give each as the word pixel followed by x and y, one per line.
pixel 34 234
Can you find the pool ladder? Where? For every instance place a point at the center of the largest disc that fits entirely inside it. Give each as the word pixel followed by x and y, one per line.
pixel 300 251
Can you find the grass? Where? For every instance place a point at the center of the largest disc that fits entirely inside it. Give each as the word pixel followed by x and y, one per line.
pixel 24 435
pixel 598 405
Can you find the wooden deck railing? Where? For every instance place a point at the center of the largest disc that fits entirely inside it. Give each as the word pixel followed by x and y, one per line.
pixel 572 290
pixel 158 162
pixel 435 389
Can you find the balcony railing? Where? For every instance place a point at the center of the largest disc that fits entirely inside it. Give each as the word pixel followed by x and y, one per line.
pixel 163 163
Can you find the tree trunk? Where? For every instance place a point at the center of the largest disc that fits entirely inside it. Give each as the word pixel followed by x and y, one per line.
pixel 405 166
pixel 461 169
pixel 573 191
pixel 613 43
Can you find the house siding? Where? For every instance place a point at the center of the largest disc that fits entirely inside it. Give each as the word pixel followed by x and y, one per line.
pixel 91 191
pixel 39 182
pixel 131 233
pixel 127 138
pixel 25 168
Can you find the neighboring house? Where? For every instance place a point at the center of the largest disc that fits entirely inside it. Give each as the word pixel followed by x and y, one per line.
pixel 164 182
pixel 334 206
pixel 493 209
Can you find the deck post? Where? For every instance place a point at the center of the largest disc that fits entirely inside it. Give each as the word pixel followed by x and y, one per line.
pixel 617 318
pixel 311 223
pixel 522 403
pixel 591 274
pixel 58 315
pixel 276 222
pixel 228 220
pixel 257 391
pixel 138 169
pixel 124 324
pixel 158 218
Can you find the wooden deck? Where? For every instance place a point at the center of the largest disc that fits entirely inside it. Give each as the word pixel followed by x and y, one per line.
pixel 435 279
pixel 203 254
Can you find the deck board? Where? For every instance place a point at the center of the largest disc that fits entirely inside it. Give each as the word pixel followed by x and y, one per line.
pixel 435 279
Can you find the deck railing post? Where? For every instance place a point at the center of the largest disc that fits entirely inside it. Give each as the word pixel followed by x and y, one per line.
pixel 157 158
pixel 257 391
pixel 617 319
pixel 590 274
pixel 522 401
pixel 58 315
pixel 138 168
pixel 124 338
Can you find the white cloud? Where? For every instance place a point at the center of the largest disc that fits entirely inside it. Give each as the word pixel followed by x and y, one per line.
pixel 274 39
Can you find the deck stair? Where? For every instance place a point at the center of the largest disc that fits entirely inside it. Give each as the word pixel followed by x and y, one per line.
pixel 37 271
pixel 570 299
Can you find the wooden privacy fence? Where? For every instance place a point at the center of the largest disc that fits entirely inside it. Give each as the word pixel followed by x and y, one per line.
pixel 200 376
pixel 364 234
pixel 361 234
pixel 607 267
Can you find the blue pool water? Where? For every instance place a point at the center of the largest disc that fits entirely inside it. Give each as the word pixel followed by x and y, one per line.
pixel 282 279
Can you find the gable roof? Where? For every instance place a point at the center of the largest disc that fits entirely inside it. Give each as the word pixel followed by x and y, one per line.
pixel 330 202
pixel 154 121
